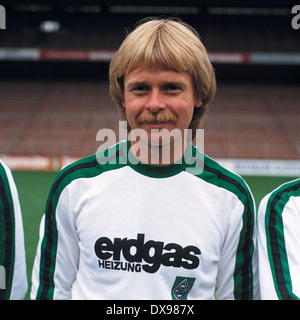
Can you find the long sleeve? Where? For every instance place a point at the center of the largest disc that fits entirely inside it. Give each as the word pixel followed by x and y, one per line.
pixel 279 242
pixel 237 275
pixel 56 261
pixel 13 277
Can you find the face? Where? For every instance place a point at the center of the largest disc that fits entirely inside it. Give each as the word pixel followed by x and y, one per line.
pixel 159 100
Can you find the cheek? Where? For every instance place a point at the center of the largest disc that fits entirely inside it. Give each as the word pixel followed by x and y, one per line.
pixel 185 111
pixel 132 110
pixel 188 118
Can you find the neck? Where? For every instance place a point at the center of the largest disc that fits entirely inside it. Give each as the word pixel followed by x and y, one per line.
pixel 159 154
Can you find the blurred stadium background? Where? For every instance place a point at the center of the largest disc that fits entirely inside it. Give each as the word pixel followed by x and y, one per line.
pixel 54 60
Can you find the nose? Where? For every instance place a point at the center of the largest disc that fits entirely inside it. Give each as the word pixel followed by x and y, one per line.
pixel 155 102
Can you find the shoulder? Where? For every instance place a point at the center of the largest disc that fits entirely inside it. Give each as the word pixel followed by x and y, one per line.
pixel 276 200
pixel 4 169
pixel 6 180
pixel 286 190
pixel 216 174
pixel 88 167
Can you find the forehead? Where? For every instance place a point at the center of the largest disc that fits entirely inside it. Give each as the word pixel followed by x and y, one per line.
pixel 158 75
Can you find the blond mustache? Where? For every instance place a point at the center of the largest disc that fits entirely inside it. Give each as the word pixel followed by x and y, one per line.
pixel 160 117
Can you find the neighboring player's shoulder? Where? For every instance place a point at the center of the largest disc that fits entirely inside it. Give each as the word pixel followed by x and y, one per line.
pixel 4 169
pixel 280 196
pixel 290 187
pixel 2 164
pixel 6 176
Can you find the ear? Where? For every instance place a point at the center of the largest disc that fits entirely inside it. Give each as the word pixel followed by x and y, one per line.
pixel 198 103
pixel 123 104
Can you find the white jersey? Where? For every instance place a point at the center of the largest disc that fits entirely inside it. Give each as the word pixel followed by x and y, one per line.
pixel 279 242
pixel 13 278
pixel 115 230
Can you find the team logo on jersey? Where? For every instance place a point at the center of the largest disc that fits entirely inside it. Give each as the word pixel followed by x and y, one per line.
pixel 144 256
pixel 181 287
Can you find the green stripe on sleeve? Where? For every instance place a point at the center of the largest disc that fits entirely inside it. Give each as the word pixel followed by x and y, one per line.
pixel 7 234
pixel 276 241
pixel 223 178
pixel 85 168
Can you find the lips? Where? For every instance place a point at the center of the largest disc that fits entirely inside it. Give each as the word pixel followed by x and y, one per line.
pixel 157 125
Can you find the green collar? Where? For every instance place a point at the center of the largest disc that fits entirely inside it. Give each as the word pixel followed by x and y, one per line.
pixel 156 171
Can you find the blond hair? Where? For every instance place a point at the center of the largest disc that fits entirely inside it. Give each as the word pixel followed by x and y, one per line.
pixel 168 44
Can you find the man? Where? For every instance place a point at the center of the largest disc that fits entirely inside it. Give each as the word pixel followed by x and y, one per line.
pixel 133 223
pixel 13 278
pixel 279 241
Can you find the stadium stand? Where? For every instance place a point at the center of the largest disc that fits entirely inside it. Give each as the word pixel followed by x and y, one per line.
pixel 45 111
pixel 254 121
pixel 63 118
pixel 54 118
pixel 226 33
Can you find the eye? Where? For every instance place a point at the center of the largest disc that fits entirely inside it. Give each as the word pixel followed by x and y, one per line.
pixel 139 89
pixel 172 88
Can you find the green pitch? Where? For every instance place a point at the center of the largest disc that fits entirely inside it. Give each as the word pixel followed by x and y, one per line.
pixel 33 188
